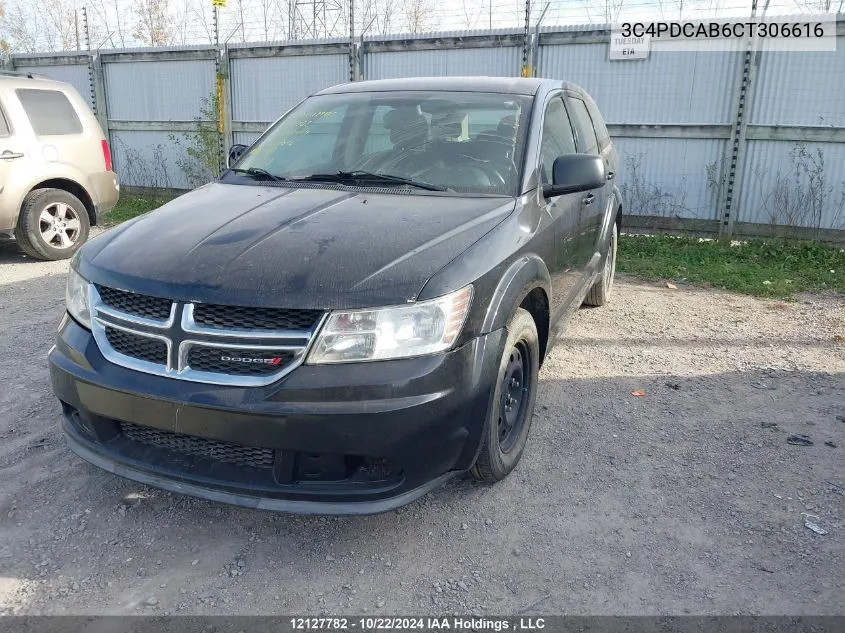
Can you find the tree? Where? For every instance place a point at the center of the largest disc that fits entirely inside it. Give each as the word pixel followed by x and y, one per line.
pixel 154 27
pixel 821 6
pixel 49 25
pixel 4 45
pixel 609 10
pixel 471 12
pixel 418 15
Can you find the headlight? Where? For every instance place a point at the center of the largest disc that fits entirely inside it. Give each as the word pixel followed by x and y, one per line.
pixel 426 327
pixel 76 298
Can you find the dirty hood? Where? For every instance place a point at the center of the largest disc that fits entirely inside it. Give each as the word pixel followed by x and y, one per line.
pixel 290 247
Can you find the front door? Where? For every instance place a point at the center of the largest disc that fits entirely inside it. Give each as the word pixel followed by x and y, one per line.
pixel 565 269
pixel 594 203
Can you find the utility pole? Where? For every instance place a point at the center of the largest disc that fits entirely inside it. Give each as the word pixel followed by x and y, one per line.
pixel 76 26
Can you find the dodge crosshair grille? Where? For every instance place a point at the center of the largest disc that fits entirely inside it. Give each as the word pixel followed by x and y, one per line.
pixel 226 345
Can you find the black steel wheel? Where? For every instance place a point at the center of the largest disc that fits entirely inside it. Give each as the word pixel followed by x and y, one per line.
pixel 509 421
pixel 513 404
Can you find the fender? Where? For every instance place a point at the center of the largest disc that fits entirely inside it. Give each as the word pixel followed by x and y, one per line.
pixel 522 276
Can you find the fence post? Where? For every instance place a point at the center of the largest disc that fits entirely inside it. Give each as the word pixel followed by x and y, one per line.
pixel 527 70
pixel 223 88
pixel 736 150
pixel 98 89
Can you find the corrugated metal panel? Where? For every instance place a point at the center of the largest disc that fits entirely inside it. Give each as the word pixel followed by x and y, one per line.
pixel 76 75
pixel 668 177
pixel 580 28
pixel 158 49
pixel 158 91
pixel 246 138
pixel 777 184
pixel 309 42
pixel 443 63
pixel 801 88
pixel 150 159
pixel 264 88
pixel 441 34
pixel 668 87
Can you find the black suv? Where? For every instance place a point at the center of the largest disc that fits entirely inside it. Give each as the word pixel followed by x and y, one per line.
pixel 357 309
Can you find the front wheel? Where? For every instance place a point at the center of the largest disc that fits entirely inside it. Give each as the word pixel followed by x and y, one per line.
pixel 506 430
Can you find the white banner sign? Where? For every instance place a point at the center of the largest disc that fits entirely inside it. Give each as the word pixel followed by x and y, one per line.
pixel 631 47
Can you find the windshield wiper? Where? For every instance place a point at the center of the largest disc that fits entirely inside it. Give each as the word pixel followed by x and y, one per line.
pixel 257 173
pixel 345 176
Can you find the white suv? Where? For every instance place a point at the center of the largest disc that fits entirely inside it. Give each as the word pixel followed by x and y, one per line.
pixel 56 176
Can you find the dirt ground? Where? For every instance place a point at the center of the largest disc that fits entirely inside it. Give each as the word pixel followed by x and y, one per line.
pixel 686 500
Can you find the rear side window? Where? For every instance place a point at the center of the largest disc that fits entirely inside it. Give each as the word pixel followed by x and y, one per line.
pixel 4 126
pixel 49 111
pixel 598 123
pixel 585 135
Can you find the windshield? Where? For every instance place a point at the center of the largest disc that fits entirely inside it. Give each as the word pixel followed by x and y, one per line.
pixel 464 142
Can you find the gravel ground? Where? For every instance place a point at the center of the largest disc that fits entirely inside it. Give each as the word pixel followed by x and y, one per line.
pixel 686 500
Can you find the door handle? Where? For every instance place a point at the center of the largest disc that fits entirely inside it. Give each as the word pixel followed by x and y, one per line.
pixel 8 155
pixel 610 175
pixel 589 199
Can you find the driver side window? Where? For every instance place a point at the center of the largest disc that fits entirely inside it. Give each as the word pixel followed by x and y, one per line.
pixel 557 140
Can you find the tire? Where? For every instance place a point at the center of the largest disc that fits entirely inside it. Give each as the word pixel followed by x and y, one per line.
pixel 53 224
pixel 599 294
pixel 500 451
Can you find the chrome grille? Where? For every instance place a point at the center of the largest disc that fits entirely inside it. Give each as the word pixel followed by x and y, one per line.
pixel 237 362
pixel 199 446
pixel 220 347
pixel 139 305
pixel 140 347
pixel 236 317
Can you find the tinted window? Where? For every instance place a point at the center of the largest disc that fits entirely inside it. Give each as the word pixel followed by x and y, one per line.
pixel 557 137
pixel 49 112
pixel 4 127
pixel 598 124
pixel 585 135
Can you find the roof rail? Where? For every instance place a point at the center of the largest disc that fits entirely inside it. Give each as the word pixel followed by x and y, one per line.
pixel 17 73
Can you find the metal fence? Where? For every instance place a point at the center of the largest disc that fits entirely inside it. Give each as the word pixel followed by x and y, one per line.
pixel 714 141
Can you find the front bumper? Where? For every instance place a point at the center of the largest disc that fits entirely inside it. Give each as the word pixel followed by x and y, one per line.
pixel 333 439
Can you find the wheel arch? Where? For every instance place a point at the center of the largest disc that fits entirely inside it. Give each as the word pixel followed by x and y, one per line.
pixel 75 189
pixel 617 207
pixel 525 284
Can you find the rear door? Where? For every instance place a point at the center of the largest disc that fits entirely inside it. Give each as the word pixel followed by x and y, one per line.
pixel 593 203
pixel 13 159
pixel 567 269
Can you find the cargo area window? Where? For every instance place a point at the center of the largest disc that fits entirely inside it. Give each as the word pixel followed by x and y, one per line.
pixel 49 112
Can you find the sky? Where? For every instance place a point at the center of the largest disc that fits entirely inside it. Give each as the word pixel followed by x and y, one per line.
pixel 48 25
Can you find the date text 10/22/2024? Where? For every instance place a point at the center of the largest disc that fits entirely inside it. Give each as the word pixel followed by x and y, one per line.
pixel 416 624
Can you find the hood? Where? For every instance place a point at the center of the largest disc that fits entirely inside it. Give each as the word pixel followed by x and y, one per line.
pixel 286 248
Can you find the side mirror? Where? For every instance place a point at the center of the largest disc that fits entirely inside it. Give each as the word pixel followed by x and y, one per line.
pixel 574 173
pixel 235 153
